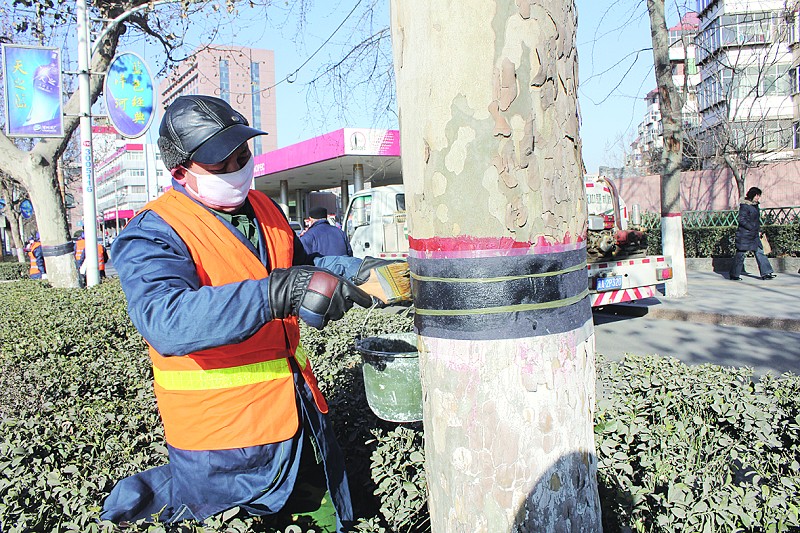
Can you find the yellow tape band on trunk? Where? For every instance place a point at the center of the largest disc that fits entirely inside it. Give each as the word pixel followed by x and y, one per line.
pixel 506 308
pixel 574 268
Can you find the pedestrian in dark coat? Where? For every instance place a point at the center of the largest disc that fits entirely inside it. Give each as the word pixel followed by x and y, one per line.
pixel 748 237
pixel 322 239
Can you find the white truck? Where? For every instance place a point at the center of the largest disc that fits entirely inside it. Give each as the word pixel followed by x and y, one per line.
pixel 619 268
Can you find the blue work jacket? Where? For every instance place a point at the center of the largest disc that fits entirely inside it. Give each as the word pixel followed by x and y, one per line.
pixel 177 316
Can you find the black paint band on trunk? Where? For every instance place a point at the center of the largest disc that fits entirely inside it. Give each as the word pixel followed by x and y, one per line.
pixel 58 249
pixel 500 297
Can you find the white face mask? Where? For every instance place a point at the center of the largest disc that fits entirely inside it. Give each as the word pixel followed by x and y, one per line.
pixel 224 190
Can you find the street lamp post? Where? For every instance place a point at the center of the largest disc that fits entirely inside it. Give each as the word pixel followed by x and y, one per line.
pixel 85 52
pixel 87 156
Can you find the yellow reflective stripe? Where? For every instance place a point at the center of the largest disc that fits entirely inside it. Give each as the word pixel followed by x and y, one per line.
pixel 222 378
pixel 301 356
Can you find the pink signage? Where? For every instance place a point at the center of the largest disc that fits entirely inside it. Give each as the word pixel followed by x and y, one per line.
pixel 121 214
pixel 343 142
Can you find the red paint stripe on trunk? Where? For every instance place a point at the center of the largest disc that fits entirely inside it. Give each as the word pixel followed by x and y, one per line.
pixel 668 215
pixel 467 246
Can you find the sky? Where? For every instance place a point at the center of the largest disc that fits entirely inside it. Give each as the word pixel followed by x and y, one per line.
pixel 615 62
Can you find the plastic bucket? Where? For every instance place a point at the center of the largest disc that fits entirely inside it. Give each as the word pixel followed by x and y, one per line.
pixel 391 376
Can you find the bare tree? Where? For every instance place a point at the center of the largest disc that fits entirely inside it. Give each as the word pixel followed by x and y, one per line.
pixel 13 196
pixel 492 168
pixel 671 105
pixel 747 81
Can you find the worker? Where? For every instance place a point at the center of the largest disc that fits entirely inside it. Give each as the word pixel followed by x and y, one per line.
pixel 80 245
pixel 37 268
pixel 215 281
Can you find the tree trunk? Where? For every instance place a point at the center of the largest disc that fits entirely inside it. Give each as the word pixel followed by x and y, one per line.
pixel 738 178
pixel 671 105
pixel 487 94
pixel 45 196
pixel 12 215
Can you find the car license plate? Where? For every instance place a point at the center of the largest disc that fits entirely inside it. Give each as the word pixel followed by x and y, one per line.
pixel 609 284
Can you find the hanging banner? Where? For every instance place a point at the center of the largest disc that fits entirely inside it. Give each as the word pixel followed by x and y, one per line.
pixel 33 102
pixel 129 96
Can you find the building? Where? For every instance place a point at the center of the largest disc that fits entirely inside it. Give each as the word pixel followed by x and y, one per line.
pixel 744 51
pixel 243 77
pixel 647 147
pixel 126 178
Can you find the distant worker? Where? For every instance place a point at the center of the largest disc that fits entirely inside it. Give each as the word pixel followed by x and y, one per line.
pixel 80 245
pixel 748 237
pixel 102 259
pixel 37 269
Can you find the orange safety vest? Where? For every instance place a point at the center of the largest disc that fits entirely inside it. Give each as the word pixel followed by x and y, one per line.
pixel 101 263
pixel 80 244
pixel 34 268
pixel 236 395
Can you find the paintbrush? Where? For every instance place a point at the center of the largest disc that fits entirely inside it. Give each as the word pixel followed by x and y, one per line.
pixel 390 283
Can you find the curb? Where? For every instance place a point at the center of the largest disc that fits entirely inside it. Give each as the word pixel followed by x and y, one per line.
pixel 719 319
pixel 723 264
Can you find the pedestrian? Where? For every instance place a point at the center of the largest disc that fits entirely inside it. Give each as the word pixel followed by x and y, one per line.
pixel 215 281
pixel 322 238
pixel 37 269
pixel 748 237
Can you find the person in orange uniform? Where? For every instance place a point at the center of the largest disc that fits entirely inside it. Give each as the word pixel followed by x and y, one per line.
pixel 80 245
pixel 80 257
pixel 215 281
pixel 37 268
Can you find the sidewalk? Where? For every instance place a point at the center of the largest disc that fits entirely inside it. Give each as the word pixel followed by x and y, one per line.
pixel 714 299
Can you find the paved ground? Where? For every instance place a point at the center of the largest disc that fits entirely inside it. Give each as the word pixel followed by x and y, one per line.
pixel 714 299
pixel 752 323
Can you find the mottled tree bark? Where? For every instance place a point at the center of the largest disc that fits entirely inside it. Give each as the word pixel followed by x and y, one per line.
pixel 671 105
pixel 487 93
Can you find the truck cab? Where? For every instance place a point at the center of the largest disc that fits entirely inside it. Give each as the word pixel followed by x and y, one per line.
pixel 375 223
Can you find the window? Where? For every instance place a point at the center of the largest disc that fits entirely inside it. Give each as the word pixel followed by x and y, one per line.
pixel 255 99
pixel 224 80
pixel 359 214
pixel 795 135
pixel 746 28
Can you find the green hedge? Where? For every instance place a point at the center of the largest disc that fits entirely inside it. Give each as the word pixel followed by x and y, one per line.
pixel 12 270
pixel 697 448
pixel 679 448
pixel 719 242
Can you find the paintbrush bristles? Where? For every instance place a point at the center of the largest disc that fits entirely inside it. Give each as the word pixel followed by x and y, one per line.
pixel 390 283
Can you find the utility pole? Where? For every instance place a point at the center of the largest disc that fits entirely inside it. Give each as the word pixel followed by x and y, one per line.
pixel 87 155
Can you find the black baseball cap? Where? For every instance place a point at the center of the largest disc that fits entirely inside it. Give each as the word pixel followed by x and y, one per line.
pixel 205 129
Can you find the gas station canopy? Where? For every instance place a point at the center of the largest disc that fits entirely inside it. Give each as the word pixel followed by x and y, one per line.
pixel 324 162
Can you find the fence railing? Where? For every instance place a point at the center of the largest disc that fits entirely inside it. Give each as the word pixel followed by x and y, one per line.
pixel 719 219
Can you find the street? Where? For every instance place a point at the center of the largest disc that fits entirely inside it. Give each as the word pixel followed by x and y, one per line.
pixel 764 350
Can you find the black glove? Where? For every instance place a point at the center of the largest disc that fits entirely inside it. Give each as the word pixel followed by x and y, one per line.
pixel 313 294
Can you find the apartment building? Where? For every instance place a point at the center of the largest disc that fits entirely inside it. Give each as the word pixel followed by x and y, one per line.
pixel 128 176
pixel 243 77
pixel 744 51
pixel 646 148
